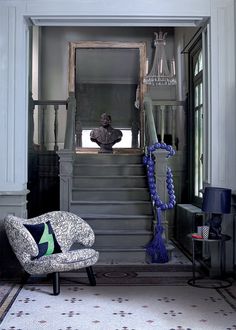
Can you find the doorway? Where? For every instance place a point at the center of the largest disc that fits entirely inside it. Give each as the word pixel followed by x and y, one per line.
pixel 108 77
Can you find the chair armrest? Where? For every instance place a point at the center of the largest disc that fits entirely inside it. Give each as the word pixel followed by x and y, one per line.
pixel 20 239
pixel 84 233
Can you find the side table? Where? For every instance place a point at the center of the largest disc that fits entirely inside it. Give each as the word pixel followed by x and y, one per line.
pixel 193 281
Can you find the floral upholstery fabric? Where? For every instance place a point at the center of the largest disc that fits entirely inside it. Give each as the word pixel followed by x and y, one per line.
pixel 68 229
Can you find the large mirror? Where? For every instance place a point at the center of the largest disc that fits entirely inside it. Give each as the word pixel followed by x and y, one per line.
pixel 108 77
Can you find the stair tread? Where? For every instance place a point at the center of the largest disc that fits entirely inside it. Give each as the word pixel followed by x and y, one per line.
pixel 110 202
pixel 108 176
pixel 109 165
pixel 102 249
pixel 110 189
pixel 123 232
pixel 116 216
pixel 116 151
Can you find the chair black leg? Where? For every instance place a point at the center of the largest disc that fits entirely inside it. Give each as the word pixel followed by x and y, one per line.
pixel 91 276
pixel 56 283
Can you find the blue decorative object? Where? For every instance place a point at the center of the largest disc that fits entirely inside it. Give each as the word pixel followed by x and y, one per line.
pixel 156 248
pixel 217 201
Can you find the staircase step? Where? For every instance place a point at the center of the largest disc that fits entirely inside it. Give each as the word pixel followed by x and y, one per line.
pixel 122 232
pixel 109 169
pixel 110 181
pixel 122 238
pixel 122 256
pixel 130 255
pixel 116 222
pixel 110 192
pixel 108 159
pixel 126 194
pixel 112 207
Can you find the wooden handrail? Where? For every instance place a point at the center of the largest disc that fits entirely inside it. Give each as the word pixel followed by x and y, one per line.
pixel 150 120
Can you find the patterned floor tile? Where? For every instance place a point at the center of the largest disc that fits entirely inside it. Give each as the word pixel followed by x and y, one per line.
pixel 120 308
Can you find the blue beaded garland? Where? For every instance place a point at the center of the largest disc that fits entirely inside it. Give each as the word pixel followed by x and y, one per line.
pixel 150 163
pixel 156 248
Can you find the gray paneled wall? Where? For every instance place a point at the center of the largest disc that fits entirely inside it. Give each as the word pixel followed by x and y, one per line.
pixel 115 99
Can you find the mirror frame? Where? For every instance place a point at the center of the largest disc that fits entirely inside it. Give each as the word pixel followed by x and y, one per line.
pixel 141 46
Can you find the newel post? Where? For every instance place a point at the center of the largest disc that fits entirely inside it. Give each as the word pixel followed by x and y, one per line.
pixel 31 123
pixel 66 158
pixel 70 124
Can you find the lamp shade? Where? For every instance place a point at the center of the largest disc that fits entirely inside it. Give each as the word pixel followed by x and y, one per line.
pixel 216 200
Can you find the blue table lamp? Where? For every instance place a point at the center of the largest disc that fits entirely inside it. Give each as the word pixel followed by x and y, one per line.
pixel 218 202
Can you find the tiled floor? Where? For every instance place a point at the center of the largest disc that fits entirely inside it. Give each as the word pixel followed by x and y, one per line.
pixel 82 307
pixel 127 297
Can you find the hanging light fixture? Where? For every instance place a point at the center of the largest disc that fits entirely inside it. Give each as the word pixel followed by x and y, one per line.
pixel 163 71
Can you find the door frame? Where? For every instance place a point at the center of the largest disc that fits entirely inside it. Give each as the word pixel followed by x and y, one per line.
pixel 141 46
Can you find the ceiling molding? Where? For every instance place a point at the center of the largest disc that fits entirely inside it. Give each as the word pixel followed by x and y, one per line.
pixel 194 21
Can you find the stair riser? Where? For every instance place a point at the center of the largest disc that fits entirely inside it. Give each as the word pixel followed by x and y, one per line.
pixel 108 159
pixel 107 182
pixel 122 257
pixel 104 208
pixel 110 195
pixel 107 170
pixel 123 241
pixel 118 224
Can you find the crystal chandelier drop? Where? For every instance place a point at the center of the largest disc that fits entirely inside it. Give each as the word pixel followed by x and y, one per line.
pixel 163 71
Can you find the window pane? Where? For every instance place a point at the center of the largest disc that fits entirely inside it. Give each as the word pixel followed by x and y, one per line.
pixel 196 97
pixel 196 69
pixel 196 94
pixel 200 93
pixel 200 62
pixel 200 170
pixel 196 154
pixel 198 65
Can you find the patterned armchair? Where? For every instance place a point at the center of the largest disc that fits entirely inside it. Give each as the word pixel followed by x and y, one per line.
pixel 60 229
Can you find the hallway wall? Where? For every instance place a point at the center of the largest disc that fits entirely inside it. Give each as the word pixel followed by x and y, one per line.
pixel 14 19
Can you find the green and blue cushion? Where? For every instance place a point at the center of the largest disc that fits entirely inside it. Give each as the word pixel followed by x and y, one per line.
pixel 45 238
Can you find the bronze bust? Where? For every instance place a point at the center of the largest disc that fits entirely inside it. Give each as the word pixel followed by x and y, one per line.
pixel 105 136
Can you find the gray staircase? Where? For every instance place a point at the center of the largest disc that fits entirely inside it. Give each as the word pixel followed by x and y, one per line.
pixel 110 192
